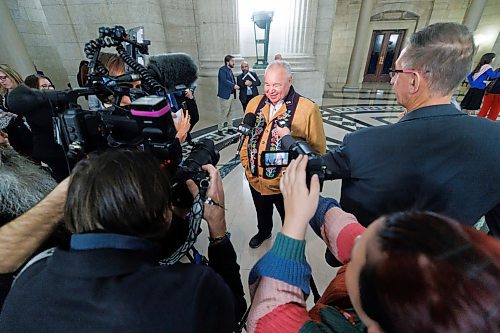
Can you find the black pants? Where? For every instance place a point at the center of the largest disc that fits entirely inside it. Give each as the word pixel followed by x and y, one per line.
pixel 264 207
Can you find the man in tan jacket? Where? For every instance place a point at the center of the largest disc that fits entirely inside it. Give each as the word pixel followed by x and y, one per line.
pixel 281 106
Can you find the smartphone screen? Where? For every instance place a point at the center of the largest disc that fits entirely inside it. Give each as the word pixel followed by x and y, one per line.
pixel 275 158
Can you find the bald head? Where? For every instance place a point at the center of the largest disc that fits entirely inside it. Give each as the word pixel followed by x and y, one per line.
pixel 245 67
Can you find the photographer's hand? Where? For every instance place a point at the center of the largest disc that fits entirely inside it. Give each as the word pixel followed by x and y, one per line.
pixel 182 127
pixel 4 138
pixel 300 202
pixel 213 213
pixel 282 131
pixel 189 93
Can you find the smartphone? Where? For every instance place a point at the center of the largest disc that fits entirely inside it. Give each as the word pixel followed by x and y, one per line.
pixel 275 158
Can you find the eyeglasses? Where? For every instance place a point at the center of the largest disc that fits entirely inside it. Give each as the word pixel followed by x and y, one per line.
pixel 3 78
pixel 47 86
pixel 393 71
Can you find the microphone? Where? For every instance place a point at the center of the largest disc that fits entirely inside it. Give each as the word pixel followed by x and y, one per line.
pixel 174 71
pixel 245 128
pixel 126 78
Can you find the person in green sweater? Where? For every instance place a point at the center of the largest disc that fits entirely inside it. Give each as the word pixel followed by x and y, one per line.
pixel 407 272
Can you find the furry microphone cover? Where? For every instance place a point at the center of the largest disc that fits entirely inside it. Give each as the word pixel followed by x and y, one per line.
pixel 173 69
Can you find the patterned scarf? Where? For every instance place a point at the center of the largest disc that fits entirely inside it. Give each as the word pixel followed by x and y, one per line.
pixel 274 142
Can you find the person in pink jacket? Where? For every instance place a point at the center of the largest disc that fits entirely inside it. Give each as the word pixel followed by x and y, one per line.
pixel 407 272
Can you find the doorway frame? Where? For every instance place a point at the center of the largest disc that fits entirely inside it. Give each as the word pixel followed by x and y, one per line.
pixel 383 51
pixel 409 25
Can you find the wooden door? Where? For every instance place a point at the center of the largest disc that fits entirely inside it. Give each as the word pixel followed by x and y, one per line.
pixel 385 47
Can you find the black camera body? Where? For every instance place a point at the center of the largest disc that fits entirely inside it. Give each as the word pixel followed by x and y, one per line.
pixel 294 148
pixel 146 124
pixel 203 152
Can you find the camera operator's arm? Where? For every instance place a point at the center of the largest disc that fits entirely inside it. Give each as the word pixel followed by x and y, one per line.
pixel 22 236
pixel 221 254
pixel 337 228
pixel 280 279
pixel 337 161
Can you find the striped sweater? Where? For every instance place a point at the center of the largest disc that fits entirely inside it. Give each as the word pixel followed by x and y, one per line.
pixel 279 282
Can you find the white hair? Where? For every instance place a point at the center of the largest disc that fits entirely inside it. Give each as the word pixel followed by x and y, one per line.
pixel 23 183
pixel 280 63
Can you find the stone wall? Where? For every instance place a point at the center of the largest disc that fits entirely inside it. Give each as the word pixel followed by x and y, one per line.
pixel 488 31
pixel 33 28
pixel 426 11
pixel 53 33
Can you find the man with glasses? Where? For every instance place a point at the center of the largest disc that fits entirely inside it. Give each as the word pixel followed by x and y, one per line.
pixel 435 157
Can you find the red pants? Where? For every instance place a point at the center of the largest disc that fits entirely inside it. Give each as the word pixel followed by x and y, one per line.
pixel 491 106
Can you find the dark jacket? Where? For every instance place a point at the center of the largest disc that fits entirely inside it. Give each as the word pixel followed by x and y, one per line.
pixel 226 83
pixel 435 158
pixel 119 290
pixel 244 97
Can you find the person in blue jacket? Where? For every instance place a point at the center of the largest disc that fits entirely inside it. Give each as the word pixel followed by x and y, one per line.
pixel 226 87
pixel 478 80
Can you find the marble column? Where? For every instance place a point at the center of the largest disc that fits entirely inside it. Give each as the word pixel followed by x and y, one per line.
pixel 217 35
pixel 13 51
pixel 298 42
pixel 473 14
pixel 360 41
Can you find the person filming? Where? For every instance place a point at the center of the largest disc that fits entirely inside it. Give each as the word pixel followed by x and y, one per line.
pixel 119 210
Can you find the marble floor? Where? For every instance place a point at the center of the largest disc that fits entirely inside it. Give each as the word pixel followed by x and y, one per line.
pixel 343 112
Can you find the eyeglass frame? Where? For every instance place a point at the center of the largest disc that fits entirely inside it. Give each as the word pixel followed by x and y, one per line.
pixel 394 71
pixel 3 78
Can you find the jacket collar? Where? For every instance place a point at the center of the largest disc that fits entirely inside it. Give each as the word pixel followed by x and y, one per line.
pixel 104 255
pixel 94 241
pixel 433 111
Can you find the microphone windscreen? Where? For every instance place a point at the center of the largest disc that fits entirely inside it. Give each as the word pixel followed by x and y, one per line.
pixel 250 119
pixel 22 100
pixel 173 69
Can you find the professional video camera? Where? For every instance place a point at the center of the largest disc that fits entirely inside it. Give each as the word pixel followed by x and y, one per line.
pixel 294 148
pixel 145 124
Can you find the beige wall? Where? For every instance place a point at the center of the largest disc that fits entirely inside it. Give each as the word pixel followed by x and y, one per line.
pixel 54 33
pixel 428 12
pixel 488 30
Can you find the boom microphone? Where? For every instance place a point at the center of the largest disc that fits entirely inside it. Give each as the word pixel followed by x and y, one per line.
pixel 174 71
pixel 126 78
pixel 245 127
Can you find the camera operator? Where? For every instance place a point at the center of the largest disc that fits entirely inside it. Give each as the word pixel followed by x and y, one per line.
pixel 119 210
pixel 116 67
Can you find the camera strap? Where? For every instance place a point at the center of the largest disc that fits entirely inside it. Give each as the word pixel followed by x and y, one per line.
pixel 194 221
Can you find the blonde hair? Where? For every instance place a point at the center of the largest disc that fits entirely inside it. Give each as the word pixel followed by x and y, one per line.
pixel 12 74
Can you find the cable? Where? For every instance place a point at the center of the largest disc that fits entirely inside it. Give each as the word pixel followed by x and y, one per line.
pixel 146 78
